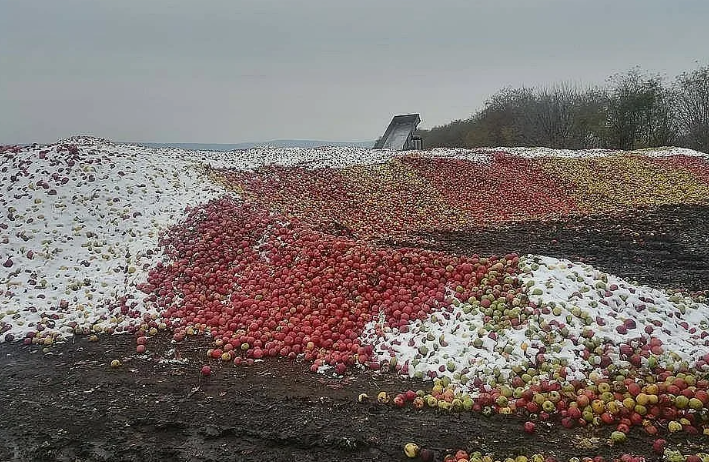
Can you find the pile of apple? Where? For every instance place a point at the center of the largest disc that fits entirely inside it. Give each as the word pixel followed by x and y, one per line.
pixel 362 200
pixel 413 451
pixel 415 193
pixel 264 285
pixel 617 323
pixel 697 166
pixel 79 222
pixel 81 216
pixel 577 346
pixel 504 189
pixel 666 403
pixel 407 194
pixel 625 182
pixel 562 321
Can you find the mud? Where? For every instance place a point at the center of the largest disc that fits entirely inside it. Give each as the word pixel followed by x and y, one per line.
pixel 666 247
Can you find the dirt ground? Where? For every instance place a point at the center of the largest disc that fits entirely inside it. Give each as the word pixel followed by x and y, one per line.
pixel 666 247
pixel 70 405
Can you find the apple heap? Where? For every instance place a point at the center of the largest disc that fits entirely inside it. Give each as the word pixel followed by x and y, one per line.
pixel 461 455
pixel 504 189
pixel 671 404
pixel 646 182
pixel 569 323
pixel 76 277
pixel 270 285
pixel 614 324
pixel 81 218
pixel 647 383
pixel 436 192
pixel 698 166
pixel 407 193
pixel 368 201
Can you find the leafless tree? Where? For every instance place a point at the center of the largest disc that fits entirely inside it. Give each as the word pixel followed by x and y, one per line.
pixel 639 112
pixel 692 107
pixel 635 110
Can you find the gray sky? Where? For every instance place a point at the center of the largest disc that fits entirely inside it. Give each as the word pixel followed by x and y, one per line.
pixel 224 71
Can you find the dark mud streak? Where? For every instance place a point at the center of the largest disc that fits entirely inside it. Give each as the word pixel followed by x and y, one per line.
pixel 666 247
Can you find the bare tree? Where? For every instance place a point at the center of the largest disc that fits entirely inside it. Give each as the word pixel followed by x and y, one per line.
pixel 591 112
pixel 549 116
pixel 504 117
pixel 562 116
pixel 639 111
pixel 692 107
pixel 635 110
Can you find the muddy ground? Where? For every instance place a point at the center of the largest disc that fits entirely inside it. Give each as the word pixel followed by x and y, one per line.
pixel 70 405
pixel 666 247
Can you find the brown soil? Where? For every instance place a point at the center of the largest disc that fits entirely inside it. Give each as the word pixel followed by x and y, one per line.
pixel 70 405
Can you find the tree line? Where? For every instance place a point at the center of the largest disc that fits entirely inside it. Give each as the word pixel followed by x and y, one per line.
pixel 633 110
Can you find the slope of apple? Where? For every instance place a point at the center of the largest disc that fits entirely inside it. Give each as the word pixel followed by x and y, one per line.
pixel 79 230
pixel 264 285
pixel 415 193
pixel 81 218
pixel 579 321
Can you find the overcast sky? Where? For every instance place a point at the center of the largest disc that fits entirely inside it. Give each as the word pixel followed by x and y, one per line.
pixel 226 71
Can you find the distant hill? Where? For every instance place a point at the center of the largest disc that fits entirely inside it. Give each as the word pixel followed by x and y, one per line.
pixel 274 143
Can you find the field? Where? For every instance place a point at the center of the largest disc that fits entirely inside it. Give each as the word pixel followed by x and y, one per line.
pixel 279 303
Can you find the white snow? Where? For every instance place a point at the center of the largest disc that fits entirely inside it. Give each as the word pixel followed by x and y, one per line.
pixel 534 152
pixel 81 235
pixel 578 296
